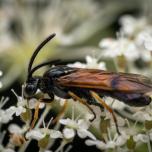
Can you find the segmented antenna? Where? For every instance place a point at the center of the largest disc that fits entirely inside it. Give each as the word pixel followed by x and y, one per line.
pixel 37 50
pixel 43 64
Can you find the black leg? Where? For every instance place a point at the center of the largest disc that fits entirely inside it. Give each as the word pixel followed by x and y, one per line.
pixel 46 100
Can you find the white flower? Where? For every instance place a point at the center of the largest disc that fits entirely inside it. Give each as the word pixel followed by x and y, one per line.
pixel 15 129
pixel 145 38
pixel 35 134
pixel 20 110
pixel 68 133
pixel 131 25
pixel 121 140
pixel 7 114
pixel 142 116
pixel 22 103
pixel 83 133
pixel 148 44
pixel 93 63
pixel 15 110
pixel 55 134
pixel 40 133
pixel 134 37
pixel 5 117
pixel 99 144
pixel 72 126
pixel 117 47
pixel 117 141
pixel 141 137
pixel 88 116
pixel 110 144
pixel 33 102
pixel 90 63
pixel 77 65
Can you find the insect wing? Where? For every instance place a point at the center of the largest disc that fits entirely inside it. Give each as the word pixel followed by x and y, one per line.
pixel 110 81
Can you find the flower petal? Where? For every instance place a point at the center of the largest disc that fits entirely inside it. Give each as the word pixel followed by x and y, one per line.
pixel 97 143
pixel 55 134
pixel 35 134
pixel 82 133
pixel 14 128
pixel 68 133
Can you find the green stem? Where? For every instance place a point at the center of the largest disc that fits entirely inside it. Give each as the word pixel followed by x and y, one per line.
pixel 63 143
pixel 47 109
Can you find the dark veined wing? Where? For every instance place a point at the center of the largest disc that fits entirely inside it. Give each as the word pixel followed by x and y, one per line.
pixel 93 78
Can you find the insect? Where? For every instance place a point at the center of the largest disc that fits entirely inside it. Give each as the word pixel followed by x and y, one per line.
pixel 86 85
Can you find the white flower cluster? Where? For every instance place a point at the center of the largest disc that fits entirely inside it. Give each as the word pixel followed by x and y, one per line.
pixel 90 63
pixel 19 134
pixel 117 141
pixel 80 126
pixel 133 40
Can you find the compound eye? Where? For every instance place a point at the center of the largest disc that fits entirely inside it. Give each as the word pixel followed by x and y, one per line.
pixel 29 90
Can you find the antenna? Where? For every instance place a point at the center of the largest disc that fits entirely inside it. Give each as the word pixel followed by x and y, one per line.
pixel 41 65
pixel 37 50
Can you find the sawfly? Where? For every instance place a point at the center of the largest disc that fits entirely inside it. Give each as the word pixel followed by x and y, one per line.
pixel 86 85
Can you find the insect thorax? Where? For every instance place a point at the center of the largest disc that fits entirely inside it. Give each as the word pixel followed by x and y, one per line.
pixel 49 81
pixel 57 71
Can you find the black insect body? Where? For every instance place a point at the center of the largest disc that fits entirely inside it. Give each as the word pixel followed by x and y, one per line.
pixel 87 85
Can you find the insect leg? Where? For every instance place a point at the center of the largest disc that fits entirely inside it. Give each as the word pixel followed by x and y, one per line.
pixel 74 96
pixel 48 100
pixel 45 100
pixel 36 114
pixel 96 96
pixel 60 113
